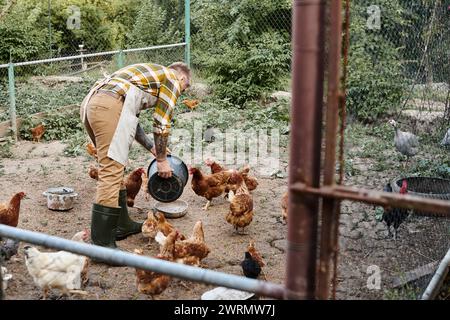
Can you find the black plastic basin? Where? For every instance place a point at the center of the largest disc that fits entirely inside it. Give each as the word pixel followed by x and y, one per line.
pixel 168 190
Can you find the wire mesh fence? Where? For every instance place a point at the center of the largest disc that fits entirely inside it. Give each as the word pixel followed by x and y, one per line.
pixel 397 103
pixel 91 32
pixel 399 69
pixel 50 85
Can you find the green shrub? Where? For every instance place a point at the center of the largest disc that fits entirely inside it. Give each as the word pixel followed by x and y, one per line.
pixel 376 84
pixel 58 126
pixel 242 46
pixel 245 73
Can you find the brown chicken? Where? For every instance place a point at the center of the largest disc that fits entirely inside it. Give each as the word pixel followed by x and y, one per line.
pixel 190 251
pixel 93 172
pixel 191 104
pixel 156 222
pixel 214 165
pixel 241 204
pixel 91 149
pixel 133 184
pixel 216 168
pixel 209 186
pixel 38 132
pixel 250 181
pixel 284 206
pixel 149 282
pixel 9 212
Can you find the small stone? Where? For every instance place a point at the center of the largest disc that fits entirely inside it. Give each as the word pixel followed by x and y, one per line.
pixel 355 234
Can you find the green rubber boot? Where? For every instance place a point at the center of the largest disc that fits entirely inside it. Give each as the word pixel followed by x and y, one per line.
pixel 126 227
pixel 104 225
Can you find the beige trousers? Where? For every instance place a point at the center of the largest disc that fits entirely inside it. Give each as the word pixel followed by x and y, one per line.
pixel 103 113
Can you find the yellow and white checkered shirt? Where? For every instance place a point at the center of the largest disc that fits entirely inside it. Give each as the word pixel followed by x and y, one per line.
pixel 161 82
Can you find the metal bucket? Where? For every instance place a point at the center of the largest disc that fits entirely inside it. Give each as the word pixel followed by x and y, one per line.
pixel 60 199
pixel 168 190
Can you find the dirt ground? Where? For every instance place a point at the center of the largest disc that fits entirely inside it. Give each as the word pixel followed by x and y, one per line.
pixel 363 241
pixel 36 167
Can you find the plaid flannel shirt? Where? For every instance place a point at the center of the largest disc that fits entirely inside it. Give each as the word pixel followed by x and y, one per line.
pixel 157 80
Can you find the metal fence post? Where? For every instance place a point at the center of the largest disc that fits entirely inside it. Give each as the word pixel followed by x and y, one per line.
pixel 305 143
pixel 187 30
pixel 121 60
pixel 12 99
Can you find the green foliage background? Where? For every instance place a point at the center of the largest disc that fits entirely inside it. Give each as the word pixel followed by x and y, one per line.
pixel 240 47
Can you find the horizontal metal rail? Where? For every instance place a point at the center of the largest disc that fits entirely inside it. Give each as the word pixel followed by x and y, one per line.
pixel 377 198
pixel 436 282
pixel 122 258
pixel 27 63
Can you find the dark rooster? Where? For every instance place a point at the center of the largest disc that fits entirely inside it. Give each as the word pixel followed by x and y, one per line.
pixel 395 216
pixel 250 266
pixel 8 249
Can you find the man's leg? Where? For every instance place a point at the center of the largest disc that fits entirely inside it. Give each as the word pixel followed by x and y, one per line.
pixel 103 113
pixel 103 116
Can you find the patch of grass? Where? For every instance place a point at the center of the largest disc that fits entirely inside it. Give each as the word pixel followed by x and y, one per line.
pixel 429 93
pixel 408 292
pixel 5 148
pixel 350 169
pixel 75 144
pixel 44 170
pixel 437 167
pixel 34 97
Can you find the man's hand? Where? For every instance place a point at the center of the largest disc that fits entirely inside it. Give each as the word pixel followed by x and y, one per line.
pixel 164 169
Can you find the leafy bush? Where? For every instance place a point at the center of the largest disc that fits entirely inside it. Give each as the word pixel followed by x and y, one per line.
pixel 25 32
pixel 75 145
pixel 19 42
pixel 59 126
pixel 245 73
pixel 153 26
pixel 241 46
pixel 33 98
pixel 376 84
pixel 5 148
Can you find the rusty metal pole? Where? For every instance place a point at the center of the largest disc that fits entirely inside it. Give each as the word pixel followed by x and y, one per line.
pixel 305 146
pixel 330 216
pixel 342 108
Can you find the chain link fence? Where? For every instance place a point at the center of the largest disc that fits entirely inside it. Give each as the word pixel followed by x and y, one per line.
pixel 76 45
pixel 399 68
pixel 53 84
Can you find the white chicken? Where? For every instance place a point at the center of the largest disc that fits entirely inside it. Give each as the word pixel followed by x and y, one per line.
pixel 406 143
pixel 5 277
pixel 58 270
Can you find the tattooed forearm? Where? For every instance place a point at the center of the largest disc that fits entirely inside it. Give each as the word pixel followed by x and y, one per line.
pixel 161 145
pixel 142 138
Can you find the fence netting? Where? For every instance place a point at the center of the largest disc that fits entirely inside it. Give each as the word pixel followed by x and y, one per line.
pixel 397 92
pixel 397 103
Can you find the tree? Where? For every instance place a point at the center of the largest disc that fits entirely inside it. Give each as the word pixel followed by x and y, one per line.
pixel 153 26
pixel 376 82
